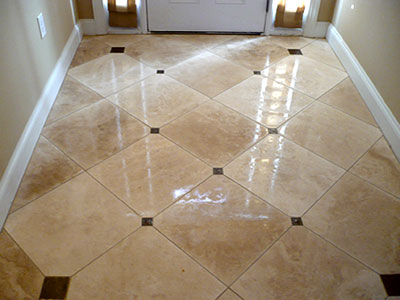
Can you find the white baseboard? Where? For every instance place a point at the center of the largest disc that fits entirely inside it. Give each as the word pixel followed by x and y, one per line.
pixel 20 158
pixel 381 112
pixel 88 26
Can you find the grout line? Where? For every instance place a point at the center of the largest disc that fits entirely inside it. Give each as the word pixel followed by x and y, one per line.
pixel 190 256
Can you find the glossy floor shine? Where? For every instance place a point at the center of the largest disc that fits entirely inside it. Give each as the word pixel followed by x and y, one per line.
pixel 124 142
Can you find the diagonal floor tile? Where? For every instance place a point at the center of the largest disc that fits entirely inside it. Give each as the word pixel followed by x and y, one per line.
pixel 214 133
pixel 290 42
pixel 151 174
pixel 345 97
pixel 70 226
pixel 380 167
pixel 158 100
pixel 19 278
pixel 322 52
pixel 264 100
pixel 162 52
pixel 88 50
pixel 330 133
pixel 305 74
pixel 229 295
pixel 255 54
pixel 48 168
pixel 284 174
pixel 71 97
pixel 206 41
pixel 222 226
pixel 144 266
pixel 362 220
pixel 302 266
pixel 121 40
pixel 110 73
pixel 95 133
pixel 209 74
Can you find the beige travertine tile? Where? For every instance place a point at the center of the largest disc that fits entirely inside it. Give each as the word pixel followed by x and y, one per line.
pixel 71 225
pixel 264 100
pixel 362 220
pixel 284 174
pixel 345 97
pixel 214 133
pixel 207 73
pixel 19 278
pixel 206 41
pixel 229 295
pixel 222 226
pixel 88 50
pixel 110 73
pixel 330 133
pixel 290 42
pixel 120 40
pixel 380 167
pixel 162 52
pixel 95 133
pixel 255 54
pixel 144 266
pixel 48 168
pixel 322 52
pixel 157 100
pixel 302 266
pixel 151 174
pixel 305 74
pixel 72 97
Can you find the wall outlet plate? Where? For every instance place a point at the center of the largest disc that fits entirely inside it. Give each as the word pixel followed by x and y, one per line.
pixel 42 25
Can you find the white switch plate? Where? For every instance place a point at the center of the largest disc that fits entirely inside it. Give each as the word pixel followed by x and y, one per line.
pixel 42 26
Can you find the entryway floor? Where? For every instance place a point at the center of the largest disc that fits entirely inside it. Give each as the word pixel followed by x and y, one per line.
pixel 205 167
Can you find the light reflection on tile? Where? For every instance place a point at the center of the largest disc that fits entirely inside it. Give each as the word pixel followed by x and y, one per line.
pixel 222 226
pixel 264 100
pixel 290 42
pixel 151 174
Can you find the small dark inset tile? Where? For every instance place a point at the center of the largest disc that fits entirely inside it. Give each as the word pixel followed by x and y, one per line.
pixel 391 283
pixel 273 130
pixel 160 72
pixel 257 72
pixel 54 288
pixel 147 221
pixel 117 50
pixel 154 130
pixel 295 52
pixel 296 221
pixel 218 171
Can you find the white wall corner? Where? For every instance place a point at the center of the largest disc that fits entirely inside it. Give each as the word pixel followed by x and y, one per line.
pixel 381 112
pixel 20 158
pixel 88 26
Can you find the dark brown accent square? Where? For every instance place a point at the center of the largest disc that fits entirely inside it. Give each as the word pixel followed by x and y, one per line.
pixel 257 72
pixel 296 221
pixel 147 221
pixel 117 50
pixel 295 52
pixel 218 171
pixel 391 283
pixel 273 130
pixel 54 287
pixel 154 130
pixel 160 72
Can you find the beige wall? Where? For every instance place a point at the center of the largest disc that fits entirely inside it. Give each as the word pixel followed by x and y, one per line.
pixel 372 31
pixel 326 10
pixel 26 61
pixel 85 9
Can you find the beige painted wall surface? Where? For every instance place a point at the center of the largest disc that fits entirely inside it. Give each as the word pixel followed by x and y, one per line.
pixel 26 61
pixel 372 31
pixel 85 9
pixel 326 10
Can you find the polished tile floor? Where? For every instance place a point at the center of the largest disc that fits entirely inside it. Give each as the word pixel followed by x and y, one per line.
pixel 220 140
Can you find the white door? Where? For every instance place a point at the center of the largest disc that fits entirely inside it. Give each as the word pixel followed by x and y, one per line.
pixel 207 15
